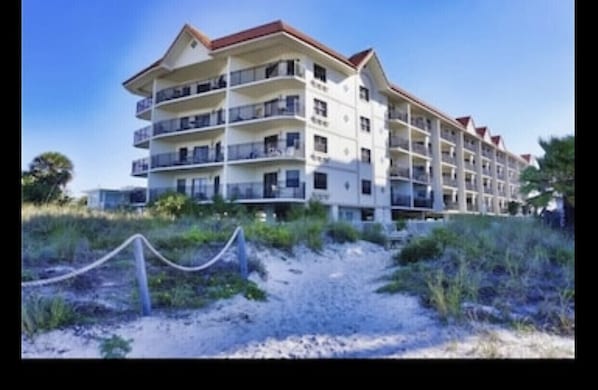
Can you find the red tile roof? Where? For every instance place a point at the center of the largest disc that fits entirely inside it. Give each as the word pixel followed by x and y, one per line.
pixel 272 28
pixel 357 58
pixel 464 120
pixel 481 131
pixel 496 139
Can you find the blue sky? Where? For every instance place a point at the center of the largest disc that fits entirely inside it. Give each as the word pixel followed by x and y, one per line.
pixel 508 63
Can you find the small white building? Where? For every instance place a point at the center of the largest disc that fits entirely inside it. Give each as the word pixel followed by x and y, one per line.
pixel 110 199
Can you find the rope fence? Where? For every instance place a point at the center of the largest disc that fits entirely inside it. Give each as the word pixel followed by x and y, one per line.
pixel 138 240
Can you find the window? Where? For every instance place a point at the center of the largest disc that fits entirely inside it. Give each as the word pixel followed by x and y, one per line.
pixel 366 187
pixel 293 140
pixel 320 108
pixel 365 123
pixel 320 144
pixel 292 179
pixel 364 93
pixel 320 181
pixel 320 73
pixel 366 155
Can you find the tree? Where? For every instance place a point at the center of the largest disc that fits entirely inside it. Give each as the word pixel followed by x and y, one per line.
pixel 513 207
pixel 47 178
pixel 554 176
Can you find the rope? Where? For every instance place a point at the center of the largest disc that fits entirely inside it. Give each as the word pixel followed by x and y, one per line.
pixel 108 256
pixel 84 269
pixel 192 269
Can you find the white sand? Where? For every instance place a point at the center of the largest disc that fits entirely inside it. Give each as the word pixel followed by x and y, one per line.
pixel 319 306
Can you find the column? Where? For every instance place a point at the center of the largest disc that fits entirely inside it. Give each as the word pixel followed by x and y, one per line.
pixel 438 204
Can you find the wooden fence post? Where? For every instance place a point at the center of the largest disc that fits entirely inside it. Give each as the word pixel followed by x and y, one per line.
pixel 146 306
pixel 241 253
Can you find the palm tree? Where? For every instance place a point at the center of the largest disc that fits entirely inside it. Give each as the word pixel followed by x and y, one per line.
pixel 52 170
pixel 554 176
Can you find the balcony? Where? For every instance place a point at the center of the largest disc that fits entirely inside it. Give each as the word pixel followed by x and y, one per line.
pixel 262 72
pixel 488 190
pixel 422 123
pixel 469 146
pixel 420 176
pixel 500 175
pixel 448 159
pixel 468 165
pixel 400 200
pixel 450 205
pixel 486 171
pixel 422 202
pixel 398 171
pixel 189 123
pixel 397 115
pixel 448 136
pixel 253 191
pixel 199 157
pixel 140 167
pixel 501 159
pixel 267 150
pixel 142 136
pixel 470 186
pixel 449 181
pixel 502 193
pixel 283 71
pixel 470 207
pixel 281 107
pixel 143 108
pixel 420 149
pixel 191 89
pixel 398 142
pixel 198 193
pixel 487 153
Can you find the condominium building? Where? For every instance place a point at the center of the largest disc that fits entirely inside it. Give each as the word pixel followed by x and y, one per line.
pixel 270 117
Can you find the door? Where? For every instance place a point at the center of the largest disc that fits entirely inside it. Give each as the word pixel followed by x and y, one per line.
pixel 216 185
pixel 199 188
pixel 271 108
pixel 270 182
pixel 180 185
pixel 182 155
pixel 200 154
pixel 293 140
pixel 218 149
pixel 270 145
pixel 292 104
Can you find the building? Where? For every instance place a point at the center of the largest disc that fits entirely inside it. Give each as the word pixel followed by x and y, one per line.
pixel 109 199
pixel 271 117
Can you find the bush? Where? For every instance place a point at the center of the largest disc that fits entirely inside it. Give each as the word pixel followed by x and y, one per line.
pixel 513 207
pixel 115 347
pixel 341 232
pixel 421 248
pixel 173 204
pixel 374 233
pixel 38 314
pixel 278 236
pixel 313 210
pixel 401 224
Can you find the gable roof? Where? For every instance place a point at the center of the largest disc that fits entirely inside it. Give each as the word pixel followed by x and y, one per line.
pixel 527 157
pixel 481 131
pixel 357 58
pixel 464 120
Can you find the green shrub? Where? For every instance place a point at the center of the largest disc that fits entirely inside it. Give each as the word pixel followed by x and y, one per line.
pixel 421 248
pixel 316 209
pixel 173 204
pixel 40 314
pixel 401 224
pixel 278 236
pixel 308 230
pixel 374 233
pixel 115 347
pixel 341 232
